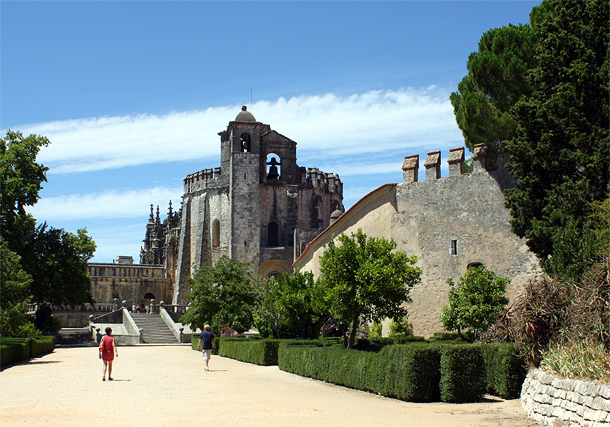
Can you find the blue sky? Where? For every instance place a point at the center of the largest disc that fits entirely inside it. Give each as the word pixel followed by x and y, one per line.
pixel 133 94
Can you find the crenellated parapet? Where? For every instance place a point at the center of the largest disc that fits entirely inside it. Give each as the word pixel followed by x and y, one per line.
pixel 315 178
pixel 455 160
pixel 203 179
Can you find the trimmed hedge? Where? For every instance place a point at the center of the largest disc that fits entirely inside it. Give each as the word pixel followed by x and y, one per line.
pixel 259 352
pixel 505 369
pixel 416 372
pixel 408 372
pixel 462 374
pixel 452 336
pixel 13 350
pixel 377 344
pixel 408 339
pixel 405 372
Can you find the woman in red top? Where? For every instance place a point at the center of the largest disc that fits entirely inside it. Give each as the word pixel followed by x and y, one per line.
pixel 107 352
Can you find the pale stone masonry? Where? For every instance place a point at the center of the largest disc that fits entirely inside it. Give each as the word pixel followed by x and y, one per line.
pixel 554 401
pixel 449 223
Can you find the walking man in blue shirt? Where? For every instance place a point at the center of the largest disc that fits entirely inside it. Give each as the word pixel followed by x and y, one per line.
pixel 207 338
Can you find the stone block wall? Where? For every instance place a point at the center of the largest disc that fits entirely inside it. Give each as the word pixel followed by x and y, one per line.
pixel 553 401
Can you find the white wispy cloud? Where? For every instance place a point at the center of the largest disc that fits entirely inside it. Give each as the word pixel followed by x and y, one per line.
pixel 112 242
pixel 104 205
pixel 328 125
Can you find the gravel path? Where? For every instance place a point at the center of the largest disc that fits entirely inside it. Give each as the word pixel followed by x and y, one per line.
pixel 167 386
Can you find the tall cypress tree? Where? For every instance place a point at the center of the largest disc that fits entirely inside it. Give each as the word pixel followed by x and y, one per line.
pixel 560 155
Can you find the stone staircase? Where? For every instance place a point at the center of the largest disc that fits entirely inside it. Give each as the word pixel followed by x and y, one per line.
pixel 154 329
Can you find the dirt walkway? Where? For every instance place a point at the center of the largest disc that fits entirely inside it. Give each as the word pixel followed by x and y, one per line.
pixel 167 386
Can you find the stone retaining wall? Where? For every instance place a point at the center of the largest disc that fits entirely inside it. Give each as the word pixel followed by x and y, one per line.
pixel 554 401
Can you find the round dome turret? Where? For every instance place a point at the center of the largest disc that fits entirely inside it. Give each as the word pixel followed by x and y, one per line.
pixel 244 115
pixel 335 215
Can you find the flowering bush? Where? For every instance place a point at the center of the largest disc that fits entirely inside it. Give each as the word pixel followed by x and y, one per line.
pixel 330 328
pixel 226 331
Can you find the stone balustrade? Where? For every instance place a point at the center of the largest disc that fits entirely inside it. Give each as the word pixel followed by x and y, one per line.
pixel 554 401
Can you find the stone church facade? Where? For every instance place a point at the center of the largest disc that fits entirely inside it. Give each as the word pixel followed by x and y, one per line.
pixel 258 207
pixel 449 223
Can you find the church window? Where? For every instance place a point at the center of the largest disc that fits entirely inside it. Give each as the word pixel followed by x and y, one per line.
pixel 273 234
pixel 215 233
pixel 245 143
pixel 454 247
pixel 273 274
pixel 274 167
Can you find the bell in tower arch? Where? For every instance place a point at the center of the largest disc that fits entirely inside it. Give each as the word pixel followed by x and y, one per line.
pixel 273 170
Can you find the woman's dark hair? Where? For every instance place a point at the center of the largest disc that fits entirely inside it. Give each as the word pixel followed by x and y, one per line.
pixel 108 330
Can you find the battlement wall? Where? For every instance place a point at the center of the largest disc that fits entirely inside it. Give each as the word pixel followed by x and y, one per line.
pixel 480 164
pixel 315 178
pixel 204 179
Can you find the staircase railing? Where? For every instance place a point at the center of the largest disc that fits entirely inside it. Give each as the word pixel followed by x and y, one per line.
pixel 170 323
pixel 130 325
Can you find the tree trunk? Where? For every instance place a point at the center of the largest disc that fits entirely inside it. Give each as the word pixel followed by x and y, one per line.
pixel 352 335
pixel 459 332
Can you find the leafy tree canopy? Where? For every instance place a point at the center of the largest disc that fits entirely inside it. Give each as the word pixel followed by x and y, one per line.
pixel 14 283
pixel 286 308
pixel 542 91
pixel 224 295
pixel 55 260
pixel 496 80
pixel 475 301
pixel 363 279
pixel 22 180
pixel 561 152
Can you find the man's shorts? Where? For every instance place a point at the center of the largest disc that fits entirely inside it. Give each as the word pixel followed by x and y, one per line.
pixel 207 354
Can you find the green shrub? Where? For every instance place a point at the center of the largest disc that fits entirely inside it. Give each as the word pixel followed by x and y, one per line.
pixel 407 372
pixel 585 360
pixel 260 352
pixel 401 328
pixel 372 344
pixel 374 331
pixel 14 350
pixel 42 345
pixel 451 336
pixel 462 374
pixel 324 362
pixel 505 369
pixel 408 339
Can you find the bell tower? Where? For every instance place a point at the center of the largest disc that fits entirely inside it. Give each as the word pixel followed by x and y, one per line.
pixel 242 146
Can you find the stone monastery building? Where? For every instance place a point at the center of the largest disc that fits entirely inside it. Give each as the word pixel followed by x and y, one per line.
pixel 259 207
